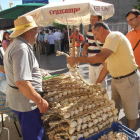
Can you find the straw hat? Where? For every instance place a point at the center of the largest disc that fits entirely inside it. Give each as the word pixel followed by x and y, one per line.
pixel 22 25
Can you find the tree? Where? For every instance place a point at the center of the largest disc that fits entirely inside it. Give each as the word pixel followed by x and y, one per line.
pixel 137 6
pixel 59 26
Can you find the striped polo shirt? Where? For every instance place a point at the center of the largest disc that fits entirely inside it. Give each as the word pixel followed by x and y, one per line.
pixel 92 49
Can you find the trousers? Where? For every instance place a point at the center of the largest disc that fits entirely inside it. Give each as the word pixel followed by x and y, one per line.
pixel 31 125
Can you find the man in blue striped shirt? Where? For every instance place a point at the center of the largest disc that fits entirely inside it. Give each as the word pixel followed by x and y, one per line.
pixel 93 47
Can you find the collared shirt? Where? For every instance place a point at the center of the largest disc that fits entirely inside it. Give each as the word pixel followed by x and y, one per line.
pixel 20 64
pixel 121 61
pixel 41 38
pixel 46 37
pixel 51 39
pixel 57 36
pixel 134 38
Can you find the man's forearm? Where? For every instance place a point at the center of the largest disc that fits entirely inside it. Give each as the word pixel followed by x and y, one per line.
pixel 25 87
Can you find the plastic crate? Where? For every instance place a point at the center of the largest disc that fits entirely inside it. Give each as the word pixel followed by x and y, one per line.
pixel 115 127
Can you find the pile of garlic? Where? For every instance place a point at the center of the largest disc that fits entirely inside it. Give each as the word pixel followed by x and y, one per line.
pixel 77 108
pixel 114 136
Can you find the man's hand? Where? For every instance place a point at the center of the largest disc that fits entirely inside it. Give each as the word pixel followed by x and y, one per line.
pixel 43 106
pixel 71 60
pixel 84 53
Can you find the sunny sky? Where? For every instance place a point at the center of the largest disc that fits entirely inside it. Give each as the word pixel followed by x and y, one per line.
pixel 5 3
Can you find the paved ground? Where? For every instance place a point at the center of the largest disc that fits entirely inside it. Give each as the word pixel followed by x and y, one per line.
pixel 56 65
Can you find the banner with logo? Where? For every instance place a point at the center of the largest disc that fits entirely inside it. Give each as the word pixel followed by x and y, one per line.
pixel 35 1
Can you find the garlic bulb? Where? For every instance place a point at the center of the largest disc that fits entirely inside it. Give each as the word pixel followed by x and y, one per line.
pixel 76 111
pixel 104 116
pixel 60 95
pixel 91 131
pixel 115 118
pixel 104 110
pixel 100 126
pixel 73 124
pixel 67 115
pixel 81 108
pixel 110 114
pixel 96 129
pixel 78 128
pixel 88 118
pixel 79 136
pixel 73 138
pixel 65 93
pixel 90 124
pixel 84 126
pixel 84 119
pixel 100 119
pixel 89 106
pixel 111 102
pixel 115 111
pixel 97 113
pixel 93 116
pixel 71 130
pixel 50 99
pixel 106 96
pixel 72 113
pixel 79 121
pixel 108 108
pixel 111 119
pixel 95 121
pixel 86 134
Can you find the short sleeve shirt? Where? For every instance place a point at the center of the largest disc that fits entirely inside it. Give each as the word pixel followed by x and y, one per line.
pixel 20 64
pixel 121 62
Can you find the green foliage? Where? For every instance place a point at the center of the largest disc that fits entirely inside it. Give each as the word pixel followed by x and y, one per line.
pixel 137 6
pixel 59 26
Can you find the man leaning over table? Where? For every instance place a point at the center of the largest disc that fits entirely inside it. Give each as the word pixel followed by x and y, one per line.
pixel 121 64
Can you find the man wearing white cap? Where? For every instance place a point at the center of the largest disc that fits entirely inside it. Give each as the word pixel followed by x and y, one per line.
pixel 24 79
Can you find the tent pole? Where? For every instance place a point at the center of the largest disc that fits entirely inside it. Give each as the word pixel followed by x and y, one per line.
pixel 68 34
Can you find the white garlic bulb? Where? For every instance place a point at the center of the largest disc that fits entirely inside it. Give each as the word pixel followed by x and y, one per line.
pixel 110 114
pixel 104 116
pixel 84 126
pixel 115 118
pixel 81 108
pixel 86 134
pixel 100 126
pixel 60 94
pixel 89 106
pixel 73 124
pixel 50 99
pixel 90 124
pixel 97 113
pixel 76 111
pixel 93 116
pixel 104 110
pixel 67 115
pixel 95 121
pixel 79 121
pixel 106 96
pixel 65 93
pixel 71 130
pixel 56 97
pixel 78 128
pixel 108 108
pixel 79 136
pixel 84 119
pixel 91 131
pixel 96 129
pixel 111 102
pixel 115 111
pixel 88 118
pixel 111 119
pixel 100 119
pixel 93 105
pixel 72 113
pixel 73 138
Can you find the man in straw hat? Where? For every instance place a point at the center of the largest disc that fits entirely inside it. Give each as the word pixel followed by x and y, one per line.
pixel 24 79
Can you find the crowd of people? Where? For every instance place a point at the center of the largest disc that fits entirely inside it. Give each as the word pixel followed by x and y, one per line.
pixel 108 51
pixel 50 40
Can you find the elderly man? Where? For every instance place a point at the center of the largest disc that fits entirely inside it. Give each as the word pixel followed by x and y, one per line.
pixel 92 49
pixel 121 64
pixel 24 80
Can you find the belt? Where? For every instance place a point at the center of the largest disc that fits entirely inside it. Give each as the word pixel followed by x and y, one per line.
pixel 126 75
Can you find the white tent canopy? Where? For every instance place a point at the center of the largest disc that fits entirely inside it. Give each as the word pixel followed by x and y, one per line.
pixel 71 12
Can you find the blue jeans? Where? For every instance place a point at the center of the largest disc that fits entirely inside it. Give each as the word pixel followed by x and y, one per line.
pixel 31 125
